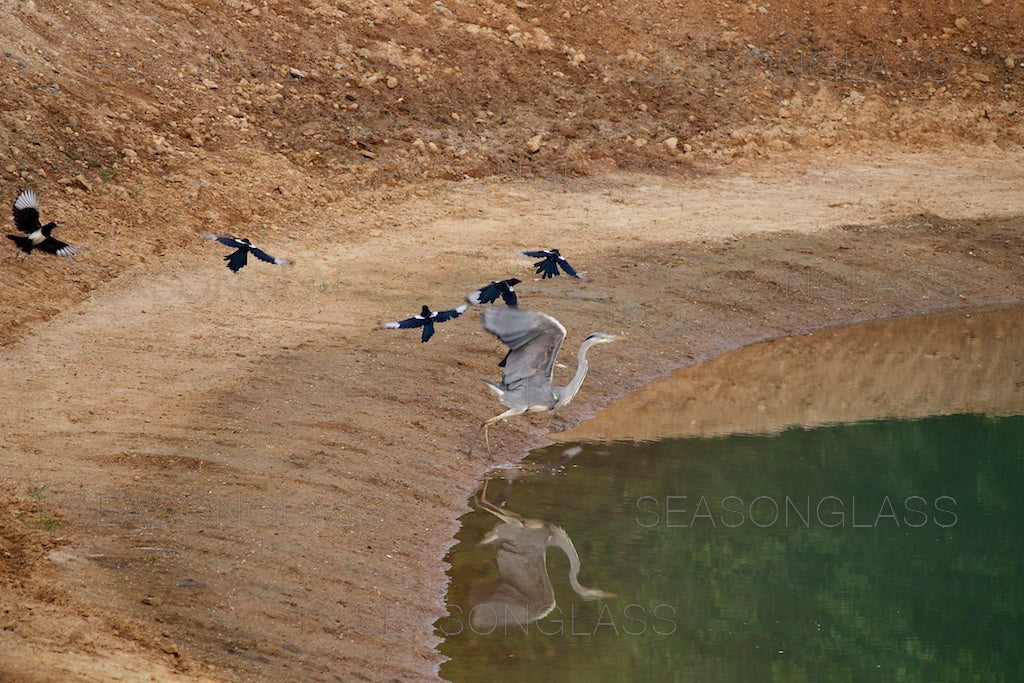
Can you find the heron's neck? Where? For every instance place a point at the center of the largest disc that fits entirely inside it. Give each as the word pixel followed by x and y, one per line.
pixel 568 392
pixel 561 539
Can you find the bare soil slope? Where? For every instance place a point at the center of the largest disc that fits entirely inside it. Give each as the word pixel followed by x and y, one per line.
pixel 211 476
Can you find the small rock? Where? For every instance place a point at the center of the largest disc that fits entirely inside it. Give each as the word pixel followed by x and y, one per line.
pixel 533 144
pixel 209 84
pixel 83 183
pixel 392 82
pixel 170 648
pixel 961 23
pixel 671 142
pixel 981 78
pixel 152 601
pixel 296 73
pixel 1009 62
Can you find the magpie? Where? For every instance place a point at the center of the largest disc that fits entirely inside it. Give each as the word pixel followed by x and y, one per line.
pixel 37 235
pixel 243 247
pixel 490 293
pixel 426 320
pixel 549 262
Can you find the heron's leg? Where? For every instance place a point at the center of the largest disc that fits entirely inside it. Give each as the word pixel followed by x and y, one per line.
pixel 511 412
pixel 475 438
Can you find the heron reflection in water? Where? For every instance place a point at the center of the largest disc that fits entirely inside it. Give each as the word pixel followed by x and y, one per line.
pixel 524 593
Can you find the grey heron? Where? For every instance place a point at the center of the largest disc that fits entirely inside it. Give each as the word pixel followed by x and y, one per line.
pixel 526 386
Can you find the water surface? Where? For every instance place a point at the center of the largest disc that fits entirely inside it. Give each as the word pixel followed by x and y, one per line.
pixel 878 550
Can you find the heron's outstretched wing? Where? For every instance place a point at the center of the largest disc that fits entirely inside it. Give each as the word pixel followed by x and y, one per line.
pixel 533 340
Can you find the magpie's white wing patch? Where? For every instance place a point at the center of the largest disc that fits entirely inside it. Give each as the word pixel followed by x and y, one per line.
pixel 26 200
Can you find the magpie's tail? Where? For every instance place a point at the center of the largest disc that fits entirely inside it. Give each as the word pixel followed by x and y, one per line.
pixel 23 242
pixel 236 260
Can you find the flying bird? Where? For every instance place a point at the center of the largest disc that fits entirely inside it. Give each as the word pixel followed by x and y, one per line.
pixel 37 235
pixel 243 247
pixel 550 260
pixel 426 320
pixel 533 340
pixel 490 293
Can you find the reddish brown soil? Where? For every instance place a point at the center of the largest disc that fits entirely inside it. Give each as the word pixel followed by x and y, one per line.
pixel 239 477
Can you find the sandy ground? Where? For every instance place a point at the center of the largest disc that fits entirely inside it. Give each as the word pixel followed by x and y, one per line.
pixel 243 478
pixel 957 362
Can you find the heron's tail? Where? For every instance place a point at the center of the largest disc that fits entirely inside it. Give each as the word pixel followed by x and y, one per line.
pixel 494 386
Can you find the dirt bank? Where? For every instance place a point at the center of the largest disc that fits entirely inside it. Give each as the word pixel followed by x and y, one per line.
pixel 242 477
pixel 960 362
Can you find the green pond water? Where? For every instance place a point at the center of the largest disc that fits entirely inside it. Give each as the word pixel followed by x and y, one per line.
pixel 889 550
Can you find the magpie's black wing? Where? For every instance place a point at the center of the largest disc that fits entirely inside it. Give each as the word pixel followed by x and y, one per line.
pixel 415 321
pixel 567 268
pixel 547 269
pixel 52 245
pixel 486 294
pixel 264 256
pixel 508 295
pixel 237 259
pixel 536 254
pixel 24 243
pixel 442 316
pixel 26 212
pixel 227 241
pixel 428 331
